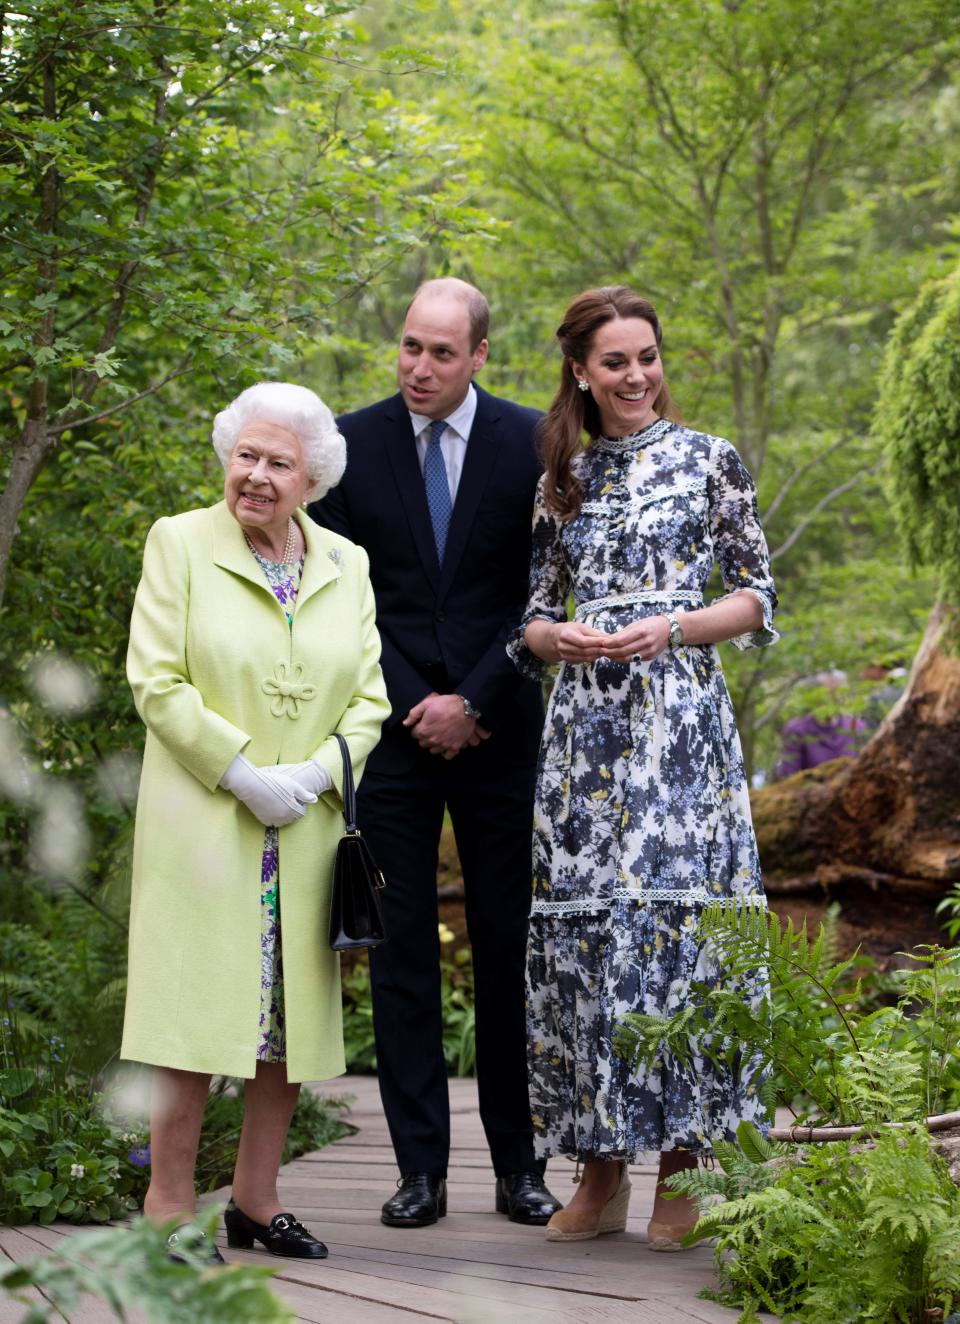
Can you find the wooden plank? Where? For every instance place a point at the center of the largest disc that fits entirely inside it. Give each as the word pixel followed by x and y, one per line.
pixel 474 1266
pixel 31 1241
pixel 14 1249
pixel 322 1306
pixel 348 1287
pixel 496 1287
pixel 451 1302
pixel 708 1312
pixel 577 1277
pixel 570 1291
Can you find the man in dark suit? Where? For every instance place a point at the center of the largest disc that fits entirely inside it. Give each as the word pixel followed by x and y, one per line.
pixel 439 489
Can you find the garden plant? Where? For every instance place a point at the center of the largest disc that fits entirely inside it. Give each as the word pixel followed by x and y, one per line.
pixel 196 196
pixel 864 1228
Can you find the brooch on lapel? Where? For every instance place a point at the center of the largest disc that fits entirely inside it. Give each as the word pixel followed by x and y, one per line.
pixel 334 555
pixel 288 691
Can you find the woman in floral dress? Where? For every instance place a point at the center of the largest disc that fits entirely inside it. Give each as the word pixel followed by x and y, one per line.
pixel 642 814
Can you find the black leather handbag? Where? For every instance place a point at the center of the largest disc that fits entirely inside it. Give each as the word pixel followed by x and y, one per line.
pixel 356 919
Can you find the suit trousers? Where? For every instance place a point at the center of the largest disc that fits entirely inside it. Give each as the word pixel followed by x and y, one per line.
pixel 490 800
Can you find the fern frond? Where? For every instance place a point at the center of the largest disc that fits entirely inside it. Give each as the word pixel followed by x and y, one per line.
pixel 754 1146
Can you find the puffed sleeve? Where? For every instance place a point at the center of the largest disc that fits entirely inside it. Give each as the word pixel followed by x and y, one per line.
pixel 548 589
pixel 169 704
pixel 738 541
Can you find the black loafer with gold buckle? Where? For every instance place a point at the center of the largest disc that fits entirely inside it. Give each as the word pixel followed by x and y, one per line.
pixel 206 1250
pixel 285 1235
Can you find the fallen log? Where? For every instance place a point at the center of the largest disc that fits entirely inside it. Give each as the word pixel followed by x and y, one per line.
pixel 885 826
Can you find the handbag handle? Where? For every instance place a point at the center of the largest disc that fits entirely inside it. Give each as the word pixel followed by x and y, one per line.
pixel 349 790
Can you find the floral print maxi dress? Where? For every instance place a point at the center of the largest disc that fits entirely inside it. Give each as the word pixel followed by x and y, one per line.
pixel 642 813
pixel 284 580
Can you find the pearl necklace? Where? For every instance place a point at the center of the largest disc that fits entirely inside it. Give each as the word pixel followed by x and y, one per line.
pixel 289 547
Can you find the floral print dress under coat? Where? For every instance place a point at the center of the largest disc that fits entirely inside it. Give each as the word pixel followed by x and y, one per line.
pixel 284 580
pixel 642 812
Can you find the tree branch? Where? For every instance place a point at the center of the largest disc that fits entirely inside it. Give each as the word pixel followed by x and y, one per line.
pixel 797 474
pixel 186 365
pixel 821 505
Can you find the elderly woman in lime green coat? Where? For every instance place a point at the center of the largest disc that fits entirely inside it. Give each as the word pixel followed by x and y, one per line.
pixel 252 641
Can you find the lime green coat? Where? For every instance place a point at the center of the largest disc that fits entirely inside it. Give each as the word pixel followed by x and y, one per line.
pixel 216 670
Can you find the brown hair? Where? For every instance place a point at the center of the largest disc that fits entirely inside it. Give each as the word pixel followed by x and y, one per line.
pixel 478 310
pixel 573 411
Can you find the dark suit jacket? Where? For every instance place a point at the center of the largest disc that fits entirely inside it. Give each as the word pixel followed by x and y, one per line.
pixel 445 629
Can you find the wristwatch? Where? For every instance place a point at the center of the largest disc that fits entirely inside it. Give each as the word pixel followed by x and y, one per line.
pixel 675 638
pixel 468 708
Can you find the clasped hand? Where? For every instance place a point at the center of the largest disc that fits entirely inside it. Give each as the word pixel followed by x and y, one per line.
pixel 439 724
pixel 276 795
pixel 576 642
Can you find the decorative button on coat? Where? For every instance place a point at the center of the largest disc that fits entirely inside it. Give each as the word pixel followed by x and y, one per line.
pixel 288 691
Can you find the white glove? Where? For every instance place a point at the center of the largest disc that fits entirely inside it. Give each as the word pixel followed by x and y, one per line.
pixel 269 795
pixel 311 775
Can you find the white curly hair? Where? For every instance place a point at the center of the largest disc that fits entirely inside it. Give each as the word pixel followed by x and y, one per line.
pixel 299 410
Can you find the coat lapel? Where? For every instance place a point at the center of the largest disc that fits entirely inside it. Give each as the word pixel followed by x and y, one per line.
pixel 230 552
pixel 229 548
pixel 322 563
pixel 486 438
pixel 401 448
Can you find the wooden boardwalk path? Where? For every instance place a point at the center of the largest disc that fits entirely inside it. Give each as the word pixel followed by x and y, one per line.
pixel 473 1267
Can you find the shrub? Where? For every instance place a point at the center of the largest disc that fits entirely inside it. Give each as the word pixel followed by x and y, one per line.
pixel 841 1232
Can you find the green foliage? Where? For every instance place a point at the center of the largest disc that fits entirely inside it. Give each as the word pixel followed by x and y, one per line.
pixel 950 906
pixel 81 1188
pixel 835 1232
pixel 829 1052
pixel 189 203
pixel 358 1037
pixel 776 236
pixel 457 1003
pixel 213 181
pixel 61 980
pixel 66 1153
pixel 128 1270
pixel 918 422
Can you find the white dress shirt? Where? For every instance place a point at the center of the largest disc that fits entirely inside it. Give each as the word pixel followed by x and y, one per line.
pixel 453 440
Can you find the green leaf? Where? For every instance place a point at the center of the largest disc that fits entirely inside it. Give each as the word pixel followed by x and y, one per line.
pixel 15 1081
pixel 753 1144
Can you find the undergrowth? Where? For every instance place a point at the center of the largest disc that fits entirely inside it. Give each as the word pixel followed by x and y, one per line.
pixel 846 1232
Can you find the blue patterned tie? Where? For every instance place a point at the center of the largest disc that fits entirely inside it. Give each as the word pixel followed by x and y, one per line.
pixel 437 486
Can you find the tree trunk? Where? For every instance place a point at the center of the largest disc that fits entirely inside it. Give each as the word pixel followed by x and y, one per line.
pixel 31 451
pixel 879 833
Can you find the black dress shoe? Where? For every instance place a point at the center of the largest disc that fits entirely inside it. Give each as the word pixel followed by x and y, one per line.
pixel 284 1236
pixel 524 1198
pixel 420 1201
pixel 205 1249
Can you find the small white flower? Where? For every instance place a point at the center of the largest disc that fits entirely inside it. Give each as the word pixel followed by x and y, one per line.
pixel 77 1170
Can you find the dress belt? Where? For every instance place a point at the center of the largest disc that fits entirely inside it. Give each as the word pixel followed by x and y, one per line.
pixel 664 596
